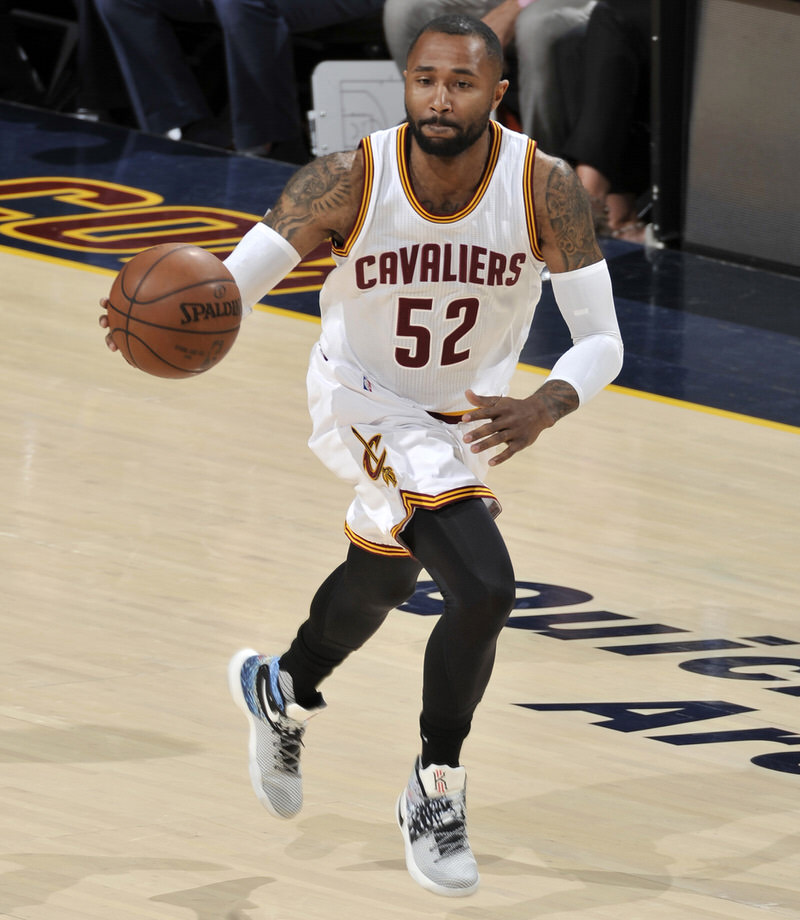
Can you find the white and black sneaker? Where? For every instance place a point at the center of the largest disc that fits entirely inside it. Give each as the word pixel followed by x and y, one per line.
pixel 265 694
pixel 431 812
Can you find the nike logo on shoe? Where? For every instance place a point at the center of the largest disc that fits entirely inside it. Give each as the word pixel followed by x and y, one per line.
pixel 268 703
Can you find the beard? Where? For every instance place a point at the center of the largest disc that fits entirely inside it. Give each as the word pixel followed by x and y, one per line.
pixel 452 146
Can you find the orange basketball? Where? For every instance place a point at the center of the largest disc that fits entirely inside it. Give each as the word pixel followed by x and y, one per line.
pixel 174 310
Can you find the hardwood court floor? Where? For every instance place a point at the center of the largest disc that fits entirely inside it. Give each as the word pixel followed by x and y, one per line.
pixel 151 528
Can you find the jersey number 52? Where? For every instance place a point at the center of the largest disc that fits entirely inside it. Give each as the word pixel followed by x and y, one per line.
pixel 463 311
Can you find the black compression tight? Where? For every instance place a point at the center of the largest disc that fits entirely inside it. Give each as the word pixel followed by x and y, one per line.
pixel 462 550
pixel 346 611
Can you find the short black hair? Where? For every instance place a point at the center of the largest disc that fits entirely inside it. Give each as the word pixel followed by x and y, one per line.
pixel 461 24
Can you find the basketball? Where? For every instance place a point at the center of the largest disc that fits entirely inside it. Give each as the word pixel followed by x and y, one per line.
pixel 174 310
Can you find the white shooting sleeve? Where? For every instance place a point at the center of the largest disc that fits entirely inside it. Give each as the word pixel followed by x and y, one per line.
pixel 260 261
pixel 586 302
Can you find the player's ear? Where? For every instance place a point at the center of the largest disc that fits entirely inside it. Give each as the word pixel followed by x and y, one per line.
pixel 499 92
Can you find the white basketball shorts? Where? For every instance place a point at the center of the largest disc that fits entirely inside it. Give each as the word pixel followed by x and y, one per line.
pixel 395 454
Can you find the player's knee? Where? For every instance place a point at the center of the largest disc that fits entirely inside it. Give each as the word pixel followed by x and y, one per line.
pixel 380 582
pixel 399 591
pixel 377 604
pixel 486 605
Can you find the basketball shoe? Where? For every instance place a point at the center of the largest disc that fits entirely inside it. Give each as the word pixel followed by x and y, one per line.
pixel 432 816
pixel 265 694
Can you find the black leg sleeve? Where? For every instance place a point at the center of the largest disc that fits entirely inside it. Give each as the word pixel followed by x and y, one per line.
pixel 346 611
pixel 462 549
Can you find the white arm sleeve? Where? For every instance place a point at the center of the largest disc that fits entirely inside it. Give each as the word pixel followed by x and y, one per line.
pixel 586 302
pixel 261 260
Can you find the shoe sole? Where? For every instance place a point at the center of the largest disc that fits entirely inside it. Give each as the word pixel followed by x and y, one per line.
pixel 419 877
pixel 235 687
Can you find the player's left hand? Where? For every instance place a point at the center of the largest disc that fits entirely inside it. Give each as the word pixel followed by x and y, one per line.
pixel 517 423
pixel 103 320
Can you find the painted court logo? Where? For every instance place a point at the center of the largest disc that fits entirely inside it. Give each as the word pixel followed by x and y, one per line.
pixel 667 721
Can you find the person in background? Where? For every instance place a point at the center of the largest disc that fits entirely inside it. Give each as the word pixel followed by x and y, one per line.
pixel 101 94
pixel 604 85
pixel 265 113
pixel 19 81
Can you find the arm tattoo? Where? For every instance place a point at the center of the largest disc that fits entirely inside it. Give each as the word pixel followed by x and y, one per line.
pixel 319 193
pixel 570 218
pixel 559 398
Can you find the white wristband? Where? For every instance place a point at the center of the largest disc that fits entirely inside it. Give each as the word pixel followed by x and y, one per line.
pixel 586 302
pixel 261 260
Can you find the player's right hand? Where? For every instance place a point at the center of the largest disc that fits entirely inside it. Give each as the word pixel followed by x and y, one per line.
pixel 103 319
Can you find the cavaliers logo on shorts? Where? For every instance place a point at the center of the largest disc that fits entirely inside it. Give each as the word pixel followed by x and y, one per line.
pixel 375 464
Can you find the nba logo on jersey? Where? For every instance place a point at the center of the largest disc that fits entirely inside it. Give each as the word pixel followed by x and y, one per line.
pixel 366 384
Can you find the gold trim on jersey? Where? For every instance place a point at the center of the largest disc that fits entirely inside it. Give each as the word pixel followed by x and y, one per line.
pixel 405 179
pixel 530 206
pixel 413 500
pixel 366 194
pixel 380 549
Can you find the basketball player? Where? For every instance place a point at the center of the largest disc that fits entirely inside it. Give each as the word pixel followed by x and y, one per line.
pixel 440 231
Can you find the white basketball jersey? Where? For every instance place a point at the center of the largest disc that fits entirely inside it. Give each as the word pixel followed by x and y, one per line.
pixel 427 305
